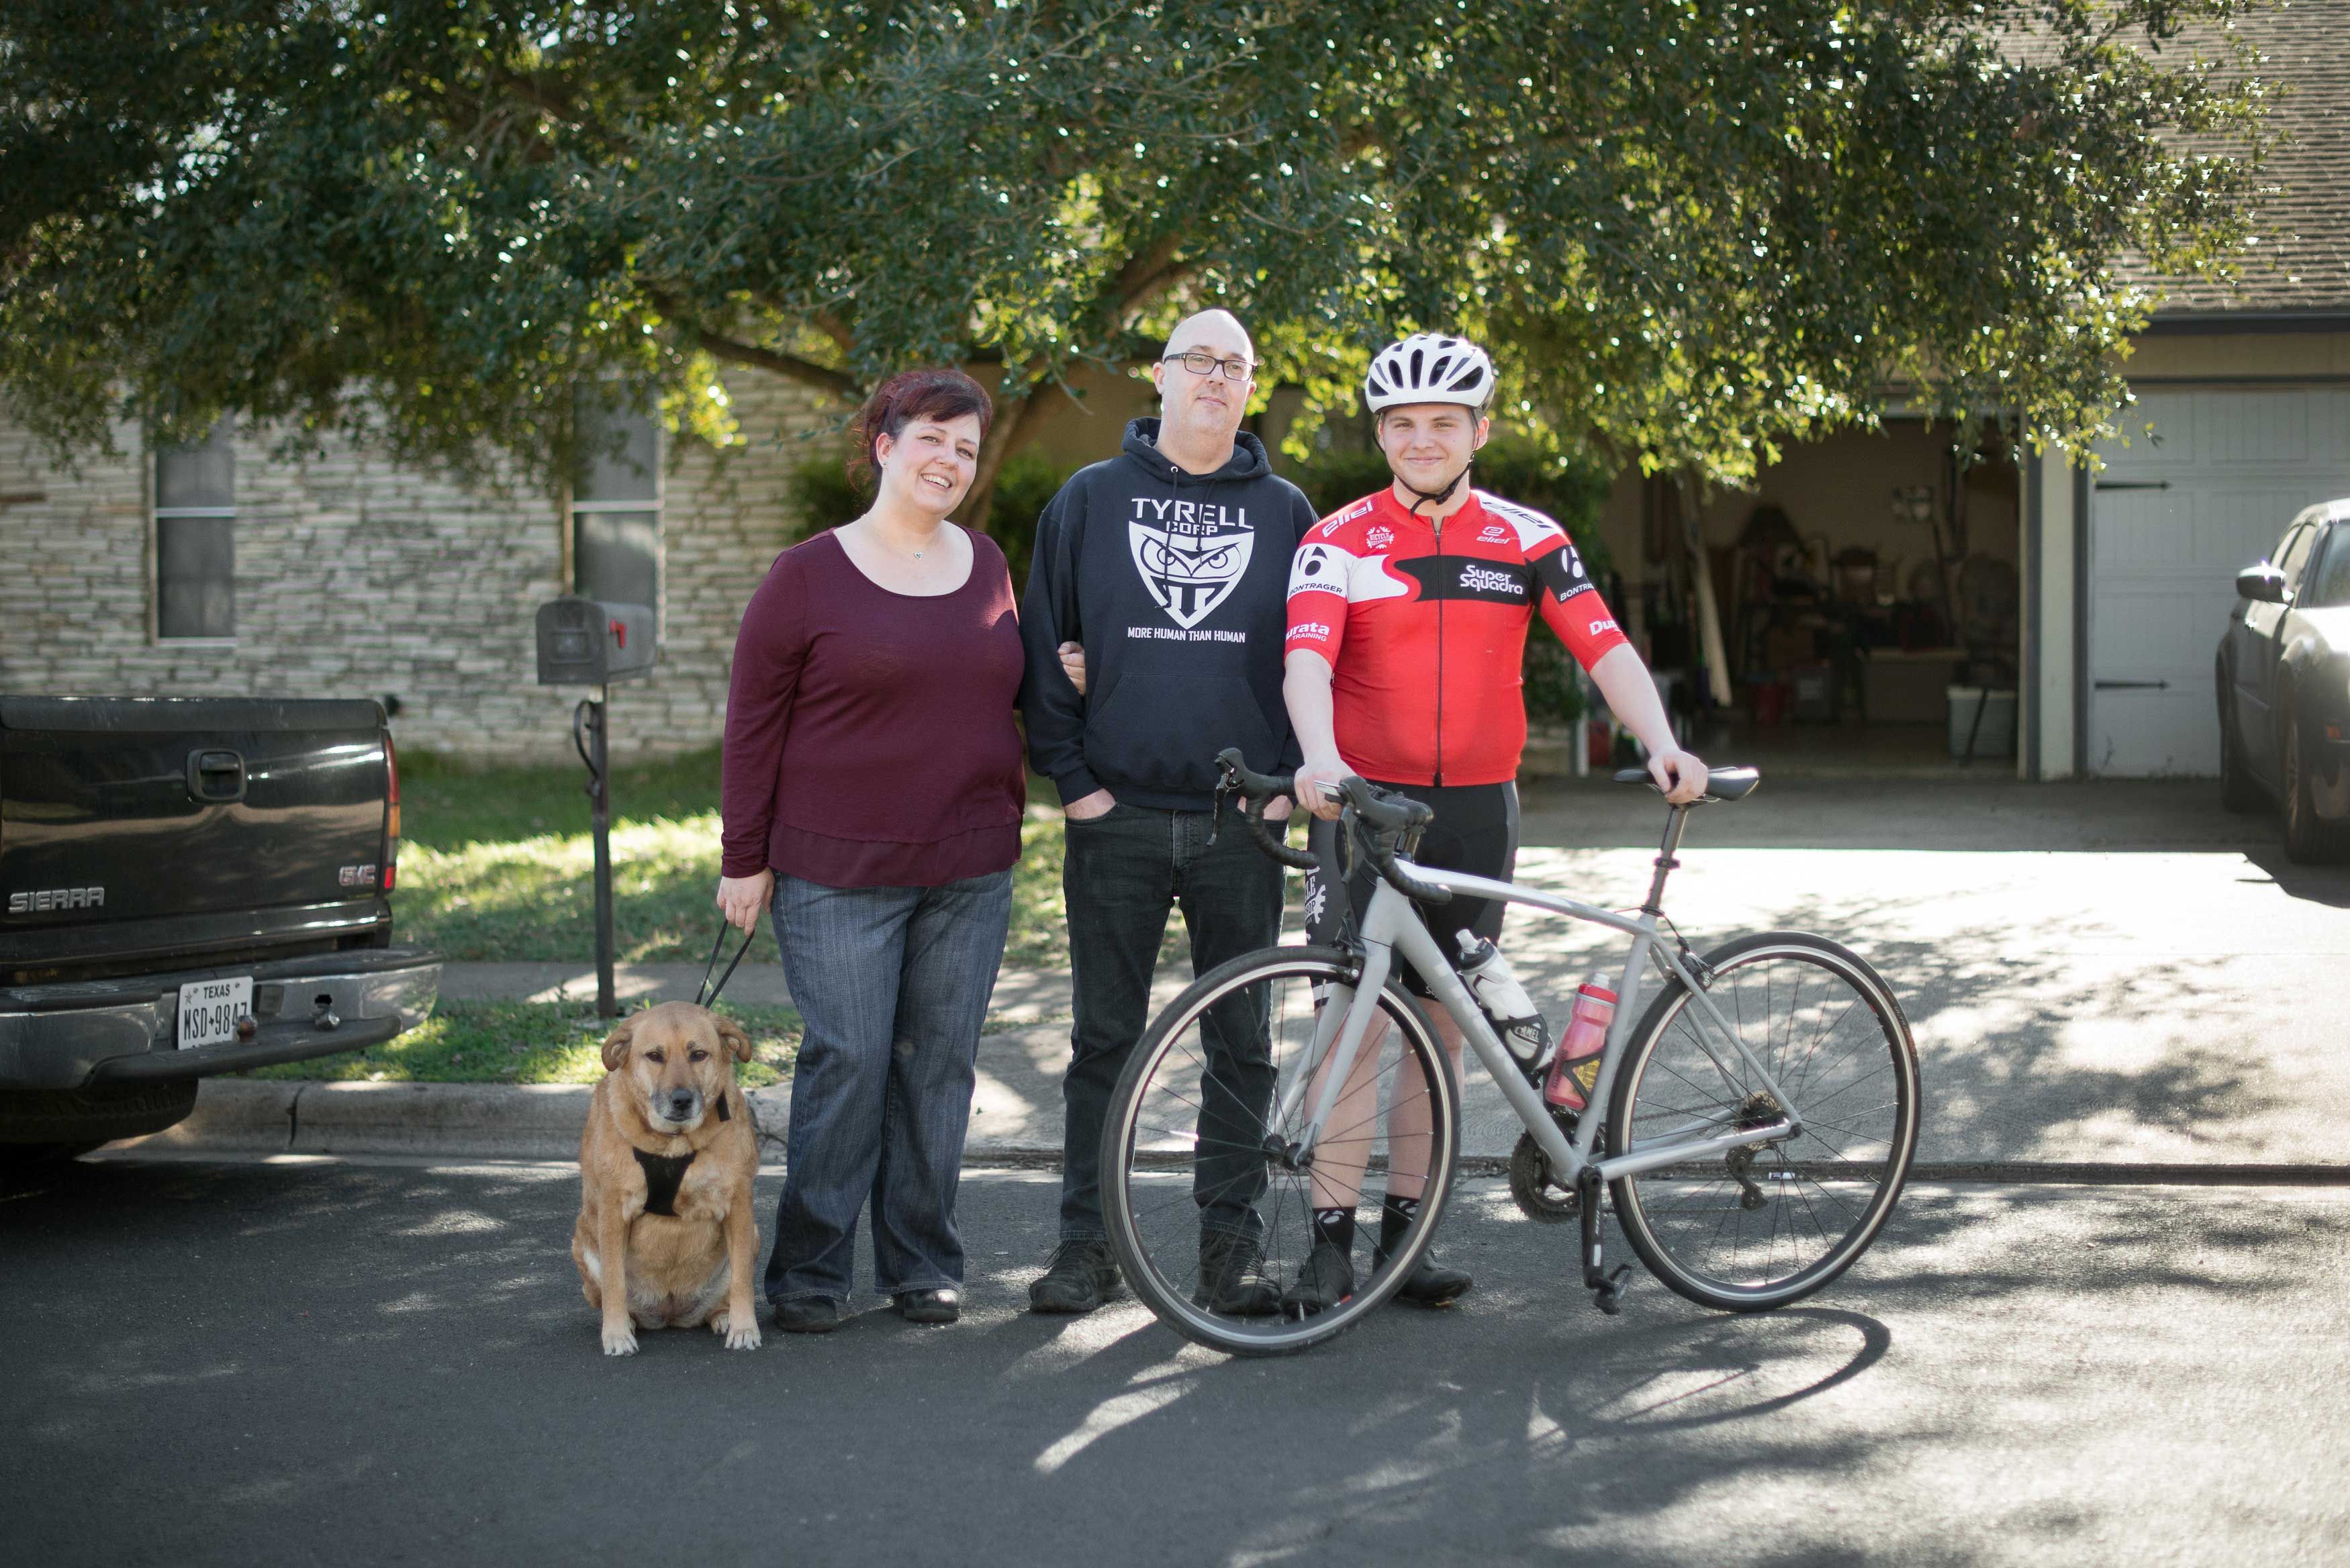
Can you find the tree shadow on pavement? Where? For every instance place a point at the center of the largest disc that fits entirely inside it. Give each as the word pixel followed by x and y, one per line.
pixel 402 1357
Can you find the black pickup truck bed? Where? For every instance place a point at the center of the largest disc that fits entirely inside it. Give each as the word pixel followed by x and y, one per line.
pixel 189 887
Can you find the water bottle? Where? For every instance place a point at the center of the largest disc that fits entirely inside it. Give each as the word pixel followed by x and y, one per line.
pixel 1506 1003
pixel 1577 1067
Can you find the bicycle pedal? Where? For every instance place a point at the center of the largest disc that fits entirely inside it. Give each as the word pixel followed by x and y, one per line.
pixel 1609 1297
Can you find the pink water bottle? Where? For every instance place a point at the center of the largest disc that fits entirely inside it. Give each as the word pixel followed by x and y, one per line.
pixel 1575 1068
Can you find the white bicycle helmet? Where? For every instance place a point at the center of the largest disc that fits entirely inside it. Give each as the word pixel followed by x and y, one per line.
pixel 1426 368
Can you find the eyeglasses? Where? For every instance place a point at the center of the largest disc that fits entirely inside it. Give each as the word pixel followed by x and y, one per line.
pixel 1199 362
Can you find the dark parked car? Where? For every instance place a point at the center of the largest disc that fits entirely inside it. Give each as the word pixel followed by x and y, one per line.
pixel 2285 684
pixel 192 887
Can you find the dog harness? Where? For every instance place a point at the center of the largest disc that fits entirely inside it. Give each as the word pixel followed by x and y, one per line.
pixel 664 1173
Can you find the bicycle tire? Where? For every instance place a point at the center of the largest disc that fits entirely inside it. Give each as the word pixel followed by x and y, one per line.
pixel 1141 1147
pixel 1836 1164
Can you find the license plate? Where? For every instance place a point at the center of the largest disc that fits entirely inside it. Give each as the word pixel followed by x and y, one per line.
pixel 209 1009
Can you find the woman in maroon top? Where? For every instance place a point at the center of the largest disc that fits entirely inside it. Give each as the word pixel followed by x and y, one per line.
pixel 873 797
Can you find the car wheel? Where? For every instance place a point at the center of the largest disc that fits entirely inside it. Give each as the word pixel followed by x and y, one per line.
pixel 2238 793
pixel 2306 839
pixel 74 1120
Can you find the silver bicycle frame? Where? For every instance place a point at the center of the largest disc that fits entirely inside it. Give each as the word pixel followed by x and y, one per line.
pixel 1390 927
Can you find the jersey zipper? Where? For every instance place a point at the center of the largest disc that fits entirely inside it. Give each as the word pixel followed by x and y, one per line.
pixel 1438 782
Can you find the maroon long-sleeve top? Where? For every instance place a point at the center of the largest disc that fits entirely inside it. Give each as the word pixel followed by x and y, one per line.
pixel 870 737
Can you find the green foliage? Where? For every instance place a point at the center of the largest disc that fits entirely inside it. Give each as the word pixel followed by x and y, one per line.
pixel 1569 489
pixel 1692 228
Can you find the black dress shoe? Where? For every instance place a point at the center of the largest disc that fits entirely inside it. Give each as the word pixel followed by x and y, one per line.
pixel 929 1306
pixel 807 1314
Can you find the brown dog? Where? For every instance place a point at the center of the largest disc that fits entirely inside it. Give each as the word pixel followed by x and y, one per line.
pixel 665 1231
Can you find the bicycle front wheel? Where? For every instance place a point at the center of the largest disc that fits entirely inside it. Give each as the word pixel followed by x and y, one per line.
pixel 1769 1222
pixel 1209 1199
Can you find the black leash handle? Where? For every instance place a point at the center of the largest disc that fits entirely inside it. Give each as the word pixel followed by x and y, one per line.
pixel 711 1000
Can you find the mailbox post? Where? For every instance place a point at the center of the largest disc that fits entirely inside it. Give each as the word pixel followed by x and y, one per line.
pixel 588 642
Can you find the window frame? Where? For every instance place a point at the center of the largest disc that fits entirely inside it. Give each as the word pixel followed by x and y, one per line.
pixel 575 508
pixel 157 515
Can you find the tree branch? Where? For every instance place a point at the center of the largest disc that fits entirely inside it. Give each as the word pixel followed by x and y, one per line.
pixel 807 372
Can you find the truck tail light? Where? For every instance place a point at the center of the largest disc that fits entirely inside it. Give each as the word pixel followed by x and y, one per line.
pixel 390 813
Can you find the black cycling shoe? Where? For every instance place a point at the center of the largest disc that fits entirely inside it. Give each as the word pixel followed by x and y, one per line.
pixel 807 1314
pixel 1432 1284
pixel 1081 1276
pixel 1231 1277
pixel 1327 1279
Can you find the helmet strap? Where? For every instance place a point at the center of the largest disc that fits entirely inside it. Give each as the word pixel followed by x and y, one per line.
pixel 1436 497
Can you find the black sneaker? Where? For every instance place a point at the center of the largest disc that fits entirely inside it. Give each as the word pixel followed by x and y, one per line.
pixel 1231 1277
pixel 1327 1279
pixel 807 1314
pixel 1081 1276
pixel 1432 1284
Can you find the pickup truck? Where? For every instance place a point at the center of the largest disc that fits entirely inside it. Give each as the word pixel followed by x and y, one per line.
pixel 188 887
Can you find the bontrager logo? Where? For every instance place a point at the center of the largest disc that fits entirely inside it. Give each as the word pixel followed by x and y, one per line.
pixel 50 899
pixel 1491 582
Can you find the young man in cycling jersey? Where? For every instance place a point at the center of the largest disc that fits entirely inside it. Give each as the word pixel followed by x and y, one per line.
pixel 1408 620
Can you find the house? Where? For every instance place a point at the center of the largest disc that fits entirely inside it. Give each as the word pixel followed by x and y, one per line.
pixel 225 570
pixel 1863 578
pixel 2097 590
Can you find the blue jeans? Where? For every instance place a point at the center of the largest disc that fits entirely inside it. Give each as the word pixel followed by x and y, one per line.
pixel 893 983
pixel 1124 873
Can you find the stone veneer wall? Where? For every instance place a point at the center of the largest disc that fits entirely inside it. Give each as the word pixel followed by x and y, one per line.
pixel 355 578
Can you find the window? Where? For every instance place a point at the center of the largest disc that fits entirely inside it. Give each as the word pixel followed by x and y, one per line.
pixel 616 535
pixel 2296 556
pixel 195 539
pixel 2330 588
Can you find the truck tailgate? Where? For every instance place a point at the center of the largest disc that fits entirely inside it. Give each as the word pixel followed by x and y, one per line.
pixel 135 825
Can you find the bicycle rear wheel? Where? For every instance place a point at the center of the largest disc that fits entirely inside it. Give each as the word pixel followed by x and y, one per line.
pixel 1771 1221
pixel 1193 1146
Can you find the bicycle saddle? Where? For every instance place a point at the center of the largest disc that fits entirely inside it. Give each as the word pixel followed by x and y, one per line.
pixel 1721 783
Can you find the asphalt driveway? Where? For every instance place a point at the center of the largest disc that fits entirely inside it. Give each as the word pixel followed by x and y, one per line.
pixel 291 1362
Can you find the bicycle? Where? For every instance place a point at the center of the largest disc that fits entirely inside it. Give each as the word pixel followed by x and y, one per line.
pixel 1740 1089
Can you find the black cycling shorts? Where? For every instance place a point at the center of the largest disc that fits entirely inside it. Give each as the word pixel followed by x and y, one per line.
pixel 1475 830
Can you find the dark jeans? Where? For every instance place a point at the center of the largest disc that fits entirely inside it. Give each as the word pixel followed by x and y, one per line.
pixel 893 983
pixel 1123 872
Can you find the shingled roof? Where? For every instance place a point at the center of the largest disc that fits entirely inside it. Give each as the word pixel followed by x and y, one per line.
pixel 2300 265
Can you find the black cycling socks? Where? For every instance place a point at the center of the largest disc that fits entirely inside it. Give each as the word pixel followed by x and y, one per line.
pixel 1396 1216
pixel 1335 1226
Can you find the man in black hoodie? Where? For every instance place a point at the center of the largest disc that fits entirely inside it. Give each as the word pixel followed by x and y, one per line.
pixel 1169 563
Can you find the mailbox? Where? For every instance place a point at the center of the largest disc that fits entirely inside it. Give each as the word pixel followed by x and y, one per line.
pixel 587 642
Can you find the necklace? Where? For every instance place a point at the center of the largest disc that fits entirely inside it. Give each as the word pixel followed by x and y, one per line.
pixel 874 531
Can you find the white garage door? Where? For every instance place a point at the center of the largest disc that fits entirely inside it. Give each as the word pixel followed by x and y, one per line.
pixel 2172 520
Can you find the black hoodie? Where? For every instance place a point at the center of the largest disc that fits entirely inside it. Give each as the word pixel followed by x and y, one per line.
pixel 1177 584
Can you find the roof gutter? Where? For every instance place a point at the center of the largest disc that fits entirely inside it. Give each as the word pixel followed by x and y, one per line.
pixel 2209 323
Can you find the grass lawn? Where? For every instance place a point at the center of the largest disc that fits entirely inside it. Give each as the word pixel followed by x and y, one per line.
pixel 498 864
pixel 528 1043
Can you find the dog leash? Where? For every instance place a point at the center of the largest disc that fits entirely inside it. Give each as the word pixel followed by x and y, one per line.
pixel 699 999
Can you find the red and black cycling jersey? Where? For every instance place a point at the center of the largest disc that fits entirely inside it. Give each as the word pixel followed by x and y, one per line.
pixel 1425 628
